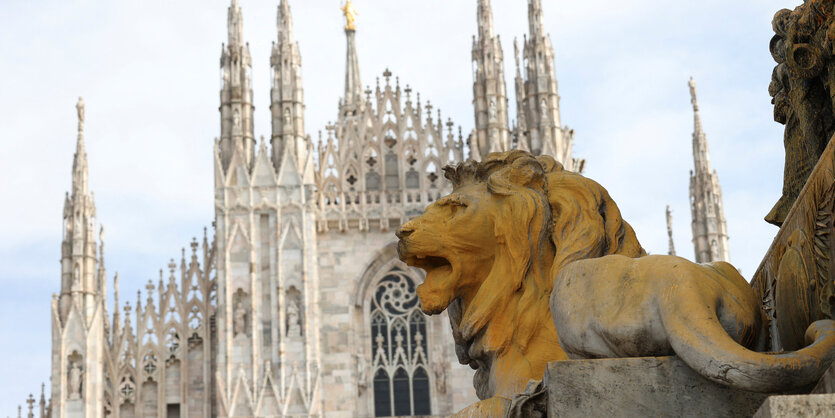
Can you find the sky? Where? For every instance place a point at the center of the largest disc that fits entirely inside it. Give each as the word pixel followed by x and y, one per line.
pixel 149 73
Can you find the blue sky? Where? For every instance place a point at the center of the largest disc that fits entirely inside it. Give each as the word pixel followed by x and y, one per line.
pixel 148 71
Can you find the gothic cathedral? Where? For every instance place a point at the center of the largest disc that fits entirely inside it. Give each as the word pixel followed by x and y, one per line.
pixel 296 303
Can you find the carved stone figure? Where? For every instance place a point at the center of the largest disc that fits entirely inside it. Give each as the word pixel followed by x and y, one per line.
pixel 79 107
pixel 439 369
pixel 492 110
pixel 293 328
pixel 795 281
pixel 491 250
pixel 492 259
pixel 236 120
pixel 75 381
pixel 76 275
pixel 802 93
pixel 240 319
pixel 362 372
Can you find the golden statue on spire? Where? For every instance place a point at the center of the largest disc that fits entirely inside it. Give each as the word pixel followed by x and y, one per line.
pixel 350 15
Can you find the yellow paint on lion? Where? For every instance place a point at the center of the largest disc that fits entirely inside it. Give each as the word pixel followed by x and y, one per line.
pixel 518 230
pixel 491 250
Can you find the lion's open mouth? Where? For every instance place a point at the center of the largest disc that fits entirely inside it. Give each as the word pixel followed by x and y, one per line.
pixel 428 262
pixel 438 289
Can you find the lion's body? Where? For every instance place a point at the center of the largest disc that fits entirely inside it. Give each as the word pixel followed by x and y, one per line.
pixel 637 303
pixel 707 314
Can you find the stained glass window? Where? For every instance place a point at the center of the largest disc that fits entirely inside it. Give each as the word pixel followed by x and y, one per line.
pixel 398 347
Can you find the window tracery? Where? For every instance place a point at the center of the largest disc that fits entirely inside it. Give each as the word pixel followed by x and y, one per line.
pixel 398 348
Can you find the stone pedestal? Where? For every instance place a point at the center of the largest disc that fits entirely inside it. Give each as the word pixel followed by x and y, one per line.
pixel 821 403
pixel 827 382
pixel 640 387
pixel 798 406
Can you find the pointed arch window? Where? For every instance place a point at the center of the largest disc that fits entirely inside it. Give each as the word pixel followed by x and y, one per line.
pixel 398 347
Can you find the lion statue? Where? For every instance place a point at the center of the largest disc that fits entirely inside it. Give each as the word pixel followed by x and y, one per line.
pixel 520 239
pixel 491 250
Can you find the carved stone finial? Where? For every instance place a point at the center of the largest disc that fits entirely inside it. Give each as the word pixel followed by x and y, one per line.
pixel 693 100
pixel 672 249
pixel 31 402
pixel 79 107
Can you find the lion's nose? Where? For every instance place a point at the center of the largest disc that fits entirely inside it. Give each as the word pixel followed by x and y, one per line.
pixel 404 231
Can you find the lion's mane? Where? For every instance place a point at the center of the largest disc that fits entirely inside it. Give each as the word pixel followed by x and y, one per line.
pixel 550 207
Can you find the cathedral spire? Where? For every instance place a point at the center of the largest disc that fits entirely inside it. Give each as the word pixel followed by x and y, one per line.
pixel 79 307
pixel 79 164
pixel 235 25
pixel 287 95
pixel 485 20
pixel 671 250
pixel 353 83
pixel 536 23
pixel 710 231
pixel 521 130
pixel 701 157
pixel 492 132
pixel 540 104
pixel 236 123
pixel 285 23
pixel 79 248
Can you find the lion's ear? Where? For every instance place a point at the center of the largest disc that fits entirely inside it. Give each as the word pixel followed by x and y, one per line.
pixel 526 172
pixel 549 164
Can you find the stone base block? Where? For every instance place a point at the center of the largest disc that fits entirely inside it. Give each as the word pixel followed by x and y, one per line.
pixel 798 406
pixel 827 382
pixel 640 387
pixel 821 403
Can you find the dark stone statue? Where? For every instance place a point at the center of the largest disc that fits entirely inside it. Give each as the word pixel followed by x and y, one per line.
pixel 802 89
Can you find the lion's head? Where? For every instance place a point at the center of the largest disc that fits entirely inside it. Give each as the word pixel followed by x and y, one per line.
pixel 492 248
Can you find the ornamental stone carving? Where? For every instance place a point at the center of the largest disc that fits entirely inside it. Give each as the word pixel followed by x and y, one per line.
pixel 802 92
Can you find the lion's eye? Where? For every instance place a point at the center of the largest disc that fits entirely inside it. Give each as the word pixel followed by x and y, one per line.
pixel 456 206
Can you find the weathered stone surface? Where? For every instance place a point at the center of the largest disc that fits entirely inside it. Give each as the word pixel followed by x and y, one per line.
pixel 827 382
pixel 821 403
pixel 801 86
pixel 794 280
pixel 797 406
pixel 640 387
